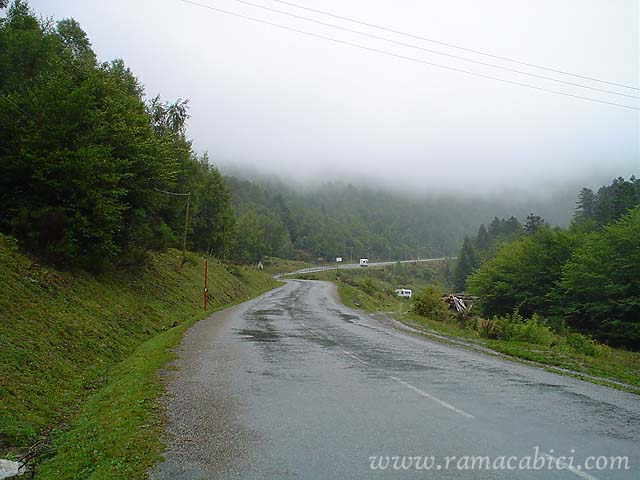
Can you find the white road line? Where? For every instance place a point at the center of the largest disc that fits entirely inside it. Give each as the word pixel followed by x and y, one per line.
pixel 572 469
pixel 354 357
pixel 431 397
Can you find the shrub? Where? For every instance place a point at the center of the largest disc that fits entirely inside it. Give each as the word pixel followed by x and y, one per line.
pixel 515 327
pixel 368 286
pixel 428 304
pixel 487 328
pixel 581 344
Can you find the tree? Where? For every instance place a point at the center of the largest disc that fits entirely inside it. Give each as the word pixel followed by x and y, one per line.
pixel 249 243
pixel 429 304
pixel 466 265
pixel 585 204
pixel 213 220
pixel 75 41
pixel 615 200
pixel 523 274
pixel 483 241
pixel 600 283
pixel 80 162
pixel 532 224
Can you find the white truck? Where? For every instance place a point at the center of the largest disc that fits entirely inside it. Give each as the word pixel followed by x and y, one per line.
pixel 364 262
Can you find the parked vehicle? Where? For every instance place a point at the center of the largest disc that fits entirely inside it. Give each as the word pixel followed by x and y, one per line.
pixel 404 292
pixel 364 262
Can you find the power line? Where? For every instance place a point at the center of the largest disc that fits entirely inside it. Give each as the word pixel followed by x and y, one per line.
pixel 451 45
pixel 355 45
pixel 173 193
pixel 492 65
pixel 18 107
pixel 24 112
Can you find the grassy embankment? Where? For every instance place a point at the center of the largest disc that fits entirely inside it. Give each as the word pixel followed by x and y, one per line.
pixel 80 356
pixel 373 290
pixel 278 266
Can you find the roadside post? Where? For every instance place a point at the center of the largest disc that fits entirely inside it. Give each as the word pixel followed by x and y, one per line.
pixel 338 260
pixel 206 284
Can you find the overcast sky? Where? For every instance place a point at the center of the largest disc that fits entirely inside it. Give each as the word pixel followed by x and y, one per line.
pixel 282 101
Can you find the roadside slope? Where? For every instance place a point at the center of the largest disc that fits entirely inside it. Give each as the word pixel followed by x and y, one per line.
pixel 62 333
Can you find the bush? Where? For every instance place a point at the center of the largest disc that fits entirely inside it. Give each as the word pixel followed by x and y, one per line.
pixel 515 327
pixel 368 286
pixel 428 304
pixel 581 344
pixel 487 328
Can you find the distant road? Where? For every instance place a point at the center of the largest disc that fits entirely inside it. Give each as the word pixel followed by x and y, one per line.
pixel 357 265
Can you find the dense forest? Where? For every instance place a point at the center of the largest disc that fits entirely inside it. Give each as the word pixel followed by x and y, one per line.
pixel 586 276
pixel 341 219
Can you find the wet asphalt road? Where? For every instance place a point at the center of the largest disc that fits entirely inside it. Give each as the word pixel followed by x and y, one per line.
pixel 293 385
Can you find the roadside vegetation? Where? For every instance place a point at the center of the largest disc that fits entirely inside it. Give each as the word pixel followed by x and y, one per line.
pixel 585 278
pixel 277 266
pixel 80 354
pixel 373 288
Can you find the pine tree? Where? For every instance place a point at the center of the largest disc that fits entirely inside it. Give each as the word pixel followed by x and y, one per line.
pixel 532 224
pixel 483 241
pixel 467 264
pixel 585 204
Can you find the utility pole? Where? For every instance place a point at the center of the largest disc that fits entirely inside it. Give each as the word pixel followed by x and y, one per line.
pixel 389 254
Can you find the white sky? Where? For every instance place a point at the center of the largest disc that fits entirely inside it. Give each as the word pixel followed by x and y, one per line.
pixel 281 101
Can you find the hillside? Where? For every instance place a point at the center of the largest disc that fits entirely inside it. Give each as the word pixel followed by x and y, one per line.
pixel 62 332
pixel 331 219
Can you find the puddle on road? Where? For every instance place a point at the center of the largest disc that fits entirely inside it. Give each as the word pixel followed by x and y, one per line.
pixel 261 314
pixel 256 335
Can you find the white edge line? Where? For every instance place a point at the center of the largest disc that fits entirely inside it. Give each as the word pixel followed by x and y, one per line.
pixel 356 358
pixel 431 397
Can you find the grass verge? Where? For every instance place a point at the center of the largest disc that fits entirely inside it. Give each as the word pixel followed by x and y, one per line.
pixel 117 434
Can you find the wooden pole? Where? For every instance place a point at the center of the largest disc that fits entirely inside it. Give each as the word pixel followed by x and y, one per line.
pixel 206 283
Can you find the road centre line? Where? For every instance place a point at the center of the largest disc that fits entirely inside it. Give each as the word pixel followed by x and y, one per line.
pixel 431 397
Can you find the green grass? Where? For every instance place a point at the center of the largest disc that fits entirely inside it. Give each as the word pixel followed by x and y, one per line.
pixel 373 288
pixel 610 363
pixel 117 434
pixel 373 291
pixel 63 336
pixel 275 265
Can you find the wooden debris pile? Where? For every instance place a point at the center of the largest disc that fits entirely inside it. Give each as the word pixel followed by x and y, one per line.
pixel 459 302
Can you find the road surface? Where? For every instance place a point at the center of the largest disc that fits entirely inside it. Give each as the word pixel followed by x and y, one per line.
pixel 294 385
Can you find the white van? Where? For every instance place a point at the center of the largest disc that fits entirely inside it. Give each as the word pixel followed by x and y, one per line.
pixel 364 262
pixel 404 292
